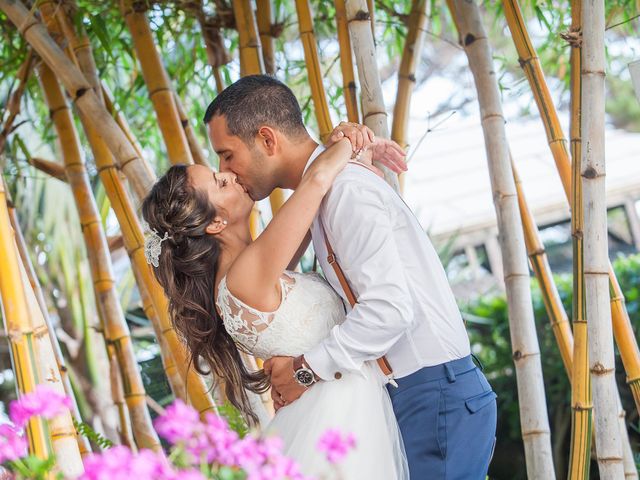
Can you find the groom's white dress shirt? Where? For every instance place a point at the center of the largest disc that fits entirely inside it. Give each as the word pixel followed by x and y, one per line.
pixel 406 309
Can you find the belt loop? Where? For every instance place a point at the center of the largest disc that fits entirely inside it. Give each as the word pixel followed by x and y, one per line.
pixel 451 376
pixel 478 362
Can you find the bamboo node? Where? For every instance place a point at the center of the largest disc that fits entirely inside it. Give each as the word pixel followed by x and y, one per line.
pixel 362 15
pixel 590 173
pixel 81 92
pixel 581 408
pixel 468 39
pixel 573 37
pixel 599 369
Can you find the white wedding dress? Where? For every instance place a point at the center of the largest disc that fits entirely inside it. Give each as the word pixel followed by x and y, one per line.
pixel 357 403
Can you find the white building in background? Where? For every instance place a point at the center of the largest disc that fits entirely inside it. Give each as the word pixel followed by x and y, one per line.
pixel 448 188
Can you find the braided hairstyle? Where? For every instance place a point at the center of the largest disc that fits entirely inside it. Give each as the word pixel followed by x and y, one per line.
pixel 186 271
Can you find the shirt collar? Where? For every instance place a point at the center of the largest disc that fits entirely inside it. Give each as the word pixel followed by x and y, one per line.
pixel 319 149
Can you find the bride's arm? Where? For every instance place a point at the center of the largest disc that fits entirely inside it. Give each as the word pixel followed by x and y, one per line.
pixel 257 269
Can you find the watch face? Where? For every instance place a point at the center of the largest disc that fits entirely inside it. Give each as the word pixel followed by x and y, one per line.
pixel 304 376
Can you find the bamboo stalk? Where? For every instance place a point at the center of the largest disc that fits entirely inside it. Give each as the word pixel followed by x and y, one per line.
pixel 407 73
pixel 314 74
pixel 346 63
pixel 126 435
pixel 541 269
pixel 530 63
pixel 526 353
pixel 194 146
pixel 251 62
pixel 173 375
pixel 116 330
pixel 138 172
pixel 19 326
pixel 83 443
pixel 373 109
pixel 61 429
pixel 157 81
pixel 94 113
pixel 581 399
pixel 50 168
pixel 596 255
pixel 265 22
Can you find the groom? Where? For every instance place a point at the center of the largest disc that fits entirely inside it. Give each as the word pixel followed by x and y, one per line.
pixel 405 309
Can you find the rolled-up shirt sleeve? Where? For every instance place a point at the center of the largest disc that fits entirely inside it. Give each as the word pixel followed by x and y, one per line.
pixel 360 230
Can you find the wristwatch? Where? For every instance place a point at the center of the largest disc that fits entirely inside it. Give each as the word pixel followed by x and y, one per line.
pixel 302 373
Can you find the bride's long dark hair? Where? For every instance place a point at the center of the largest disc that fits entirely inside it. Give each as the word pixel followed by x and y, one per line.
pixel 186 271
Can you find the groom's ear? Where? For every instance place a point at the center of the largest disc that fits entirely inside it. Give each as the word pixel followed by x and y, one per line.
pixel 268 138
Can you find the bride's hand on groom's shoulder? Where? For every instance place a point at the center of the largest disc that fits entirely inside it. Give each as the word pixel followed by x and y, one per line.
pixel 368 149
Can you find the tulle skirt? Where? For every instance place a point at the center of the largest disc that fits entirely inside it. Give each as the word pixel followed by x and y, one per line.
pixel 357 404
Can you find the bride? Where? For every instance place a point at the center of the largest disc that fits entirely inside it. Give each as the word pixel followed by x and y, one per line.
pixel 227 292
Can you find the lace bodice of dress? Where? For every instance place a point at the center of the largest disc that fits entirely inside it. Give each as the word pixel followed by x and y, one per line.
pixel 309 308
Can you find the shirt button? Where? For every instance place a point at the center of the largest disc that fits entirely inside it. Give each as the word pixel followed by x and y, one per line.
pixel 337 375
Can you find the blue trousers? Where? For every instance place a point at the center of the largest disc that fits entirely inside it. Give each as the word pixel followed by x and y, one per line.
pixel 447 417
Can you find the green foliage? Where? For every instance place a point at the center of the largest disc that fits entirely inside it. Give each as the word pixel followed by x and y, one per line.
pixel 235 419
pixel 491 344
pixel 86 431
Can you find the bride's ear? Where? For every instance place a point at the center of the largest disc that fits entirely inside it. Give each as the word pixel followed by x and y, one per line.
pixel 217 225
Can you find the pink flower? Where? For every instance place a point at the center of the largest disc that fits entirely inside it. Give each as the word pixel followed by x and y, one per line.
pixel 336 445
pixel 44 400
pixel 179 423
pixel 13 445
pixel 119 463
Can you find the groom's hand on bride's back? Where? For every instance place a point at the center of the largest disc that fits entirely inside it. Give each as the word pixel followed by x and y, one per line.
pixel 284 388
pixel 367 148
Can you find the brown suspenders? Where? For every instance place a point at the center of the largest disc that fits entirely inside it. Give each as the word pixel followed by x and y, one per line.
pixel 331 258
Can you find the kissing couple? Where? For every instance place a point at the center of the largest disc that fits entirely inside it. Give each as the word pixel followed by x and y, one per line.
pixel 377 347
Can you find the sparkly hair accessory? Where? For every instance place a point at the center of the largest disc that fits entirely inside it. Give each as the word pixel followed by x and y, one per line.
pixel 153 244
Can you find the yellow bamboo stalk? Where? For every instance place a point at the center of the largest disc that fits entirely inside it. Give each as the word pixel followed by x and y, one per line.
pixel 157 81
pixel 623 332
pixel 540 265
pixel 19 326
pixel 265 21
pixel 170 369
pixel 194 146
pixel 138 172
pixel 83 443
pixel 251 62
pixel 407 74
pixel 581 401
pixel 110 312
pixel 346 63
pixel 126 435
pixel 93 113
pixel 407 71
pixel 314 74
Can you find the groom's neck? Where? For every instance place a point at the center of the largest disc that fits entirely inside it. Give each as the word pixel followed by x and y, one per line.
pixel 298 154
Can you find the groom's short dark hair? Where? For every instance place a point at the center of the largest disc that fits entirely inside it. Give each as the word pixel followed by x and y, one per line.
pixel 254 101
